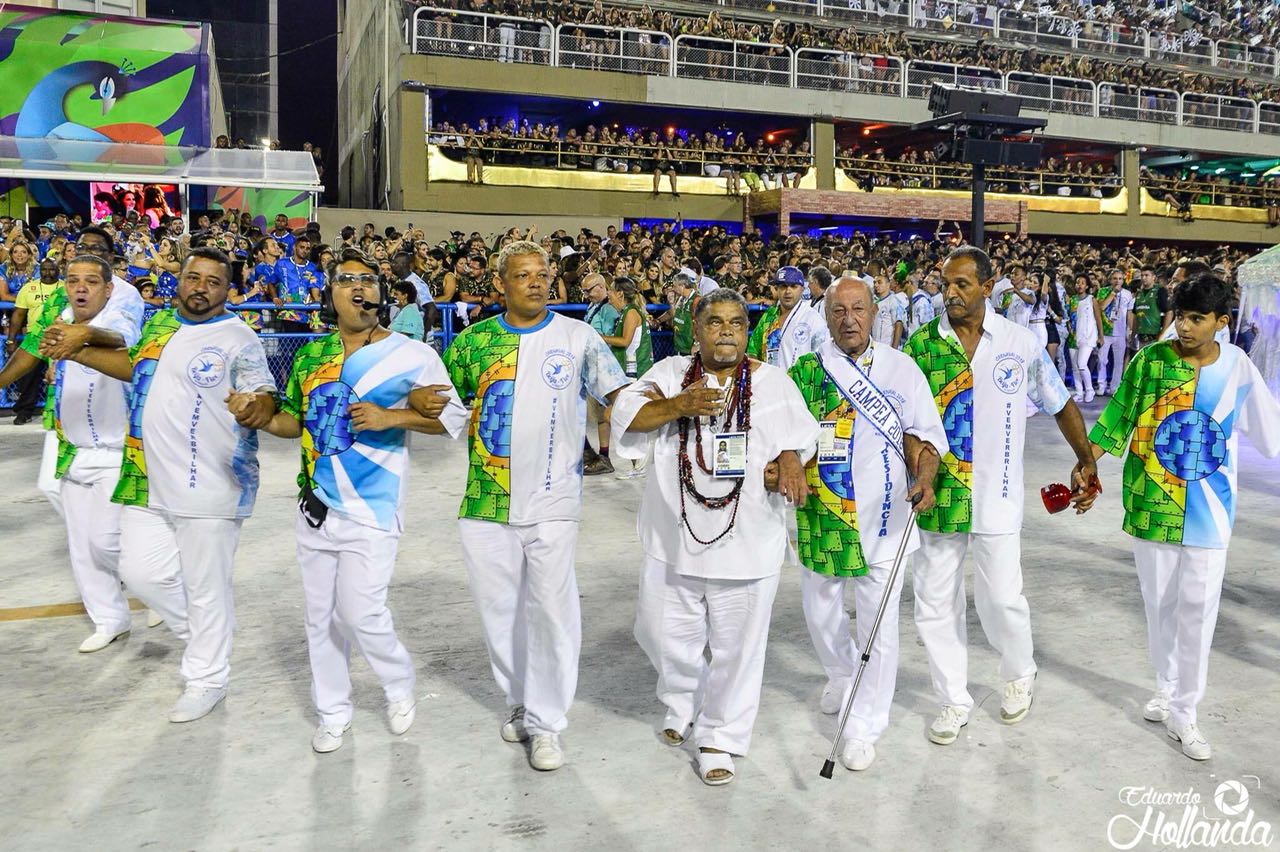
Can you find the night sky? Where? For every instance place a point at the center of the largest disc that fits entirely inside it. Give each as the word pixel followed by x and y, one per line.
pixel 309 80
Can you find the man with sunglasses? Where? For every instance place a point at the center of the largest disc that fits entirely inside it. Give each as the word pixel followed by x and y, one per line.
pixel 347 399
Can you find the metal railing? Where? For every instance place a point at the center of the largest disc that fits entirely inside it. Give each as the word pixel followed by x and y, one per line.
pixel 1218 111
pixel 999 179
pixel 1138 103
pixel 613 49
pixel 834 71
pixel 701 58
pixel 922 75
pixel 478 35
pixel 452 32
pixel 963 16
pixel 1213 193
pixel 1054 94
pixel 1269 117
pixel 574 155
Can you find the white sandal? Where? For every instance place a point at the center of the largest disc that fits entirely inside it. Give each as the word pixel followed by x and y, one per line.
pixel 674 731
pixel 708 762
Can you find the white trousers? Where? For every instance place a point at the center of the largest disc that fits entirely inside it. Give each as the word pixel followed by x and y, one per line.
pixel 828 622
pixel 524 586
pixel 1181 587
pixel 678 619
pixel 1113 347
pixel 49 485
pixel 93 536
pixel 1080 366
pixel 346 569
pixel 181 568
pixel 938 580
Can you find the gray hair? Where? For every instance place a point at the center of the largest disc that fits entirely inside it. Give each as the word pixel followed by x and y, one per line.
pixel 871 293
pixel 519 248
pixel 981 261
pixel 719 296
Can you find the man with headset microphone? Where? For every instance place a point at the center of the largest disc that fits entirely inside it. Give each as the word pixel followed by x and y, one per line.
pixel 348 400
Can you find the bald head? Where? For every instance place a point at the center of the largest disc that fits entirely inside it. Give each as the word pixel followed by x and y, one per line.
pixel 851 307
pixel 847 282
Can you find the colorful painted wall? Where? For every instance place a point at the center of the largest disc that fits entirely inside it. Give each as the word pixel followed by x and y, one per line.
pixel 92 77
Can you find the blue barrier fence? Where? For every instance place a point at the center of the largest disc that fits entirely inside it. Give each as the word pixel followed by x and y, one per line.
pixel 281 346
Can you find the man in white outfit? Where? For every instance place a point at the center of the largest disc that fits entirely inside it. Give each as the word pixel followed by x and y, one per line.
pixel 530 371
pixel 1117 316
pixel 90 412
pixel 190 471
pixel 875 412
pixel 714 541
pixel 982 369
pixel 347 399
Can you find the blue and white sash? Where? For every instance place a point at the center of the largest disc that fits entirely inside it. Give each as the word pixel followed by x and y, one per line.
pixel 853 380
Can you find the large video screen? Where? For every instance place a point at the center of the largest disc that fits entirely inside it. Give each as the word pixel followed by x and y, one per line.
pixel 152 201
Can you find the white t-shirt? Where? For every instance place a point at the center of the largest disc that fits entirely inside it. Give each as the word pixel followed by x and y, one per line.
pixel 756 547
pixel 1118 313
pixel 529 418
pixel 921 311
pixel 200 462
pixel 93 409
pixel 889 310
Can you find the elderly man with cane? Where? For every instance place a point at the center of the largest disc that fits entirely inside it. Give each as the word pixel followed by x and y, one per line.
pixel 714 540
pixel 875 413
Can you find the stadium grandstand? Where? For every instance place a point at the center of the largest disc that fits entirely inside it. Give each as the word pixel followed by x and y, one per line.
pixel 1111 185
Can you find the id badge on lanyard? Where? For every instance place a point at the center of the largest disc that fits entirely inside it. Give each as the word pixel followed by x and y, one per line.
pixel 835 440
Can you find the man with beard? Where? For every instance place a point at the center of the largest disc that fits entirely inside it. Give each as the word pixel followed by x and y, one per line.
pixel 190 471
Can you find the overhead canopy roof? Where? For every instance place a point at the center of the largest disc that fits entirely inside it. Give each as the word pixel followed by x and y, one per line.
pixel 126 162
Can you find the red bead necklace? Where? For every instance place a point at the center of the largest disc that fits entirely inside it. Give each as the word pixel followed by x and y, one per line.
pixel 737 410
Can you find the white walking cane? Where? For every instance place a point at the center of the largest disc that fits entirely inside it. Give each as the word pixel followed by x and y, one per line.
pixel 830 765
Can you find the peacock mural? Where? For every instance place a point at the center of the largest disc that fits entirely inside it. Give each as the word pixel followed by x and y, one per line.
pixel 75 77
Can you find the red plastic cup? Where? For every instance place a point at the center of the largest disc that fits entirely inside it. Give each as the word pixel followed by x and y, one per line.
pixel 1057 496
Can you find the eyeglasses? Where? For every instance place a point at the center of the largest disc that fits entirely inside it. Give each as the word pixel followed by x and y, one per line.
pixel 348 280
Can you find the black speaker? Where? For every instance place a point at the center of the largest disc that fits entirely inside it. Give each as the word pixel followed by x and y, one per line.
pixel 1023 155
pixel 983 152
pixel 945 99
pixel 993 152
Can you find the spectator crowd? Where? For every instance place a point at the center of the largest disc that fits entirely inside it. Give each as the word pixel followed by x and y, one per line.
pixel 1175 37
pixel 667 152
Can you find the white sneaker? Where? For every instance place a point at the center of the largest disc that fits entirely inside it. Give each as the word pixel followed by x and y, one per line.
pixel 513 730
pixel 1017 700
pixel 1088 395
pixel 946 727
pixel 857 754
pixel 154 619
pixel 1157 709
pixel 400 715
pixel 98 640
pixel 328 738
pixel 832 699
pixel 196 702
pixel 1194 745
pixel 546 753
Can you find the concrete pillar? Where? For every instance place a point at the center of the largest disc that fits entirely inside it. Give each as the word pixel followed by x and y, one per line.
pixel 824 153
pixel 1129 167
